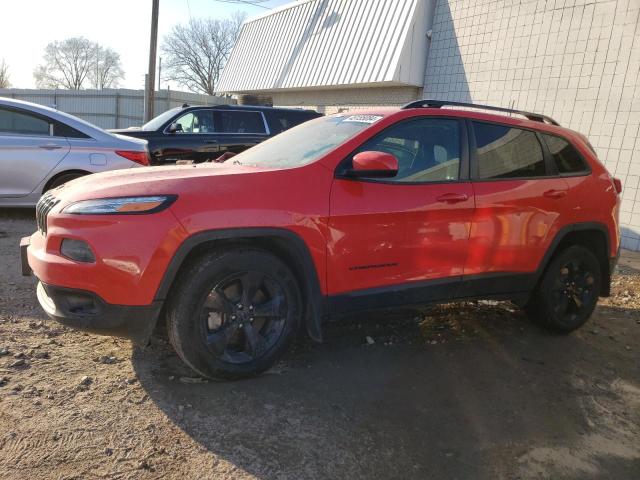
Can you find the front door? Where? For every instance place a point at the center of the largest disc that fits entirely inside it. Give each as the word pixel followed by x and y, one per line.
pixel 197 140
pixel 403 239
pixel 28 151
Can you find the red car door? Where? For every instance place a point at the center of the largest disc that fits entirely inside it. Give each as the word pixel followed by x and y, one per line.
pixel 520 205
pixel 407 235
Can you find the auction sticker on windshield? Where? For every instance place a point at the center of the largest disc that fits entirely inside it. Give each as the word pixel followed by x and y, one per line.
pixel 363 118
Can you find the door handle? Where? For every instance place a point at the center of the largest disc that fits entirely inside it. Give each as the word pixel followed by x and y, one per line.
pixel 555 193
pixel 211 141
pixel 452 197
pixel 50 146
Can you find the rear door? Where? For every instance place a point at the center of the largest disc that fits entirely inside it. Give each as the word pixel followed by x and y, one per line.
pixel 405 236
pixel 520 205
pixel 281 119
pixel 28 151
pixel 240 129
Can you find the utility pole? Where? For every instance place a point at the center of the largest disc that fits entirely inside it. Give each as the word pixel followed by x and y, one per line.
pixel 151 76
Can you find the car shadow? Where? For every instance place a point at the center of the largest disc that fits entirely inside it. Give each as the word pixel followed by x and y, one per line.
pixel 454 391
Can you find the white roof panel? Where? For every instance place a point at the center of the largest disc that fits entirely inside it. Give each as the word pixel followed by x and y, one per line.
pixel 329 44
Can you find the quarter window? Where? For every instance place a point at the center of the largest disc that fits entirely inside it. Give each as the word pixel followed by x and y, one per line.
pixel 234 121
pixel 565 156
pixel 22 123
pixel 64 130
pixel 504 152
pixel 427 149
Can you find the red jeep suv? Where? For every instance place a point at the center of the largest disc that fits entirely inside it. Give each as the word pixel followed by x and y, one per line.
pixel 355 211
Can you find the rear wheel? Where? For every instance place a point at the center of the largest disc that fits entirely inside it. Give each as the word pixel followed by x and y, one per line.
pixel 64 178
pixel 234 313
pixel 568 292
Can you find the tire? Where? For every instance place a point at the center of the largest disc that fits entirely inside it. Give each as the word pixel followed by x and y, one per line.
pixel 568 291
pixel 64 178
pixel 234 313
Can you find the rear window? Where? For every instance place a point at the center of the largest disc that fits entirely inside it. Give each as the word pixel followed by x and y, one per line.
pixel 234 121
pixel 504 152
pixel 565 156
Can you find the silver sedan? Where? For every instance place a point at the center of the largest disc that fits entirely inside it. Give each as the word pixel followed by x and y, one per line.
pixel 42 148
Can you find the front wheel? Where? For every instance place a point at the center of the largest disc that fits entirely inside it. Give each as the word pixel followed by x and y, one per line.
pixel 234 313
pixel 568 291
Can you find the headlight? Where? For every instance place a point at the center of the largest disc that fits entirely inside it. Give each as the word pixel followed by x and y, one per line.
pixel 121 205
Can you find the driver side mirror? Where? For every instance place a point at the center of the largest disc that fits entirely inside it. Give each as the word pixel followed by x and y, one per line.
pixel 175 128
pixel 373 164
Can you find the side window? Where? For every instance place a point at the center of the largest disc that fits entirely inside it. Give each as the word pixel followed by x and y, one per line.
pixel 427 149
pixel 22 123
pixel 234 121
pixel 565 156
pixel 198 121
pixel 504 152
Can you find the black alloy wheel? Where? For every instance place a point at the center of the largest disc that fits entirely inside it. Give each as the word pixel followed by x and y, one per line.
pixel 573 290
pixel 243 316
pixel 568 292
pixel 233 312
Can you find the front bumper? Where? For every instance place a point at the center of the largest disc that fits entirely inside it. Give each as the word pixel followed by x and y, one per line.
pixel 87 311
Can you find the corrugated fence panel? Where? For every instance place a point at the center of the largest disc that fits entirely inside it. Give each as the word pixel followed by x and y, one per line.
pixel 110 108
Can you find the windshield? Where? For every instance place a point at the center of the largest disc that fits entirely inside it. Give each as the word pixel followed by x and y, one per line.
pixel 306 142
pixel 157 122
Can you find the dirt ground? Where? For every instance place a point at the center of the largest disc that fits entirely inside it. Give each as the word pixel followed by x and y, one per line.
pixel 461 391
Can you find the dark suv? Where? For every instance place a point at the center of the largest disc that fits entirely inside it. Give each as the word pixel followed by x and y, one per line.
pixel 203 133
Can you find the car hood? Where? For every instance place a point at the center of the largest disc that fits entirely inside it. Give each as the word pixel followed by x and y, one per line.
pixel 174 180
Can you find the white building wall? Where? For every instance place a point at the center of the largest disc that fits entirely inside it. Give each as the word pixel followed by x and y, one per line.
pixel 334 100
pixel 575 60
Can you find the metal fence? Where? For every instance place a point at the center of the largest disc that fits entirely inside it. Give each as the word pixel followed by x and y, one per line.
pixel 110 108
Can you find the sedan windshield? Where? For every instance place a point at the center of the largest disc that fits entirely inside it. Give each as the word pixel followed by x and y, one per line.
pixel 307 142
pixel 155 123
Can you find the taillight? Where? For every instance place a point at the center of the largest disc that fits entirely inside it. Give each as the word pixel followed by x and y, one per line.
pixel 618 184
pixel 139 157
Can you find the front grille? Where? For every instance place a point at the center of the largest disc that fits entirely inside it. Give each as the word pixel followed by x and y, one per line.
pixel 44 206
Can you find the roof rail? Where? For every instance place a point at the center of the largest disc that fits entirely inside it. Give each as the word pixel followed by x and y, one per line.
pixel 427 103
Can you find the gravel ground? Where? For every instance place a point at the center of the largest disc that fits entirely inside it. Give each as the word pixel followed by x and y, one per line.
pixel 455 391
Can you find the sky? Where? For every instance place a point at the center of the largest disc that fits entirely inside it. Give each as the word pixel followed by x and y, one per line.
pixel 123 25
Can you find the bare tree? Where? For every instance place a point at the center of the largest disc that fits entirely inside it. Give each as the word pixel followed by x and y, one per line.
pixel 196 53
pixel 107 71
pixel 74 61
pixel 4 74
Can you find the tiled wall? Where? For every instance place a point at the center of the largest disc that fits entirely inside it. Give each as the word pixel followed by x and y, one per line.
pixel 575 60
pixel 333 100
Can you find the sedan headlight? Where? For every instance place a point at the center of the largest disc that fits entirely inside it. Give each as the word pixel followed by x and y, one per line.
pixel 121 205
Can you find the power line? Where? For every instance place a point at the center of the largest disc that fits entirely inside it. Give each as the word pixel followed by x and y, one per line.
pixel 253 3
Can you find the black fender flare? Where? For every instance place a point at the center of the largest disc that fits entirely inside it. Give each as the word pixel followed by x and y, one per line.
pixel 296 247
pixel 560 236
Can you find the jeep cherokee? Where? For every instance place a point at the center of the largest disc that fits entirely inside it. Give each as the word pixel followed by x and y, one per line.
pixel 355 211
